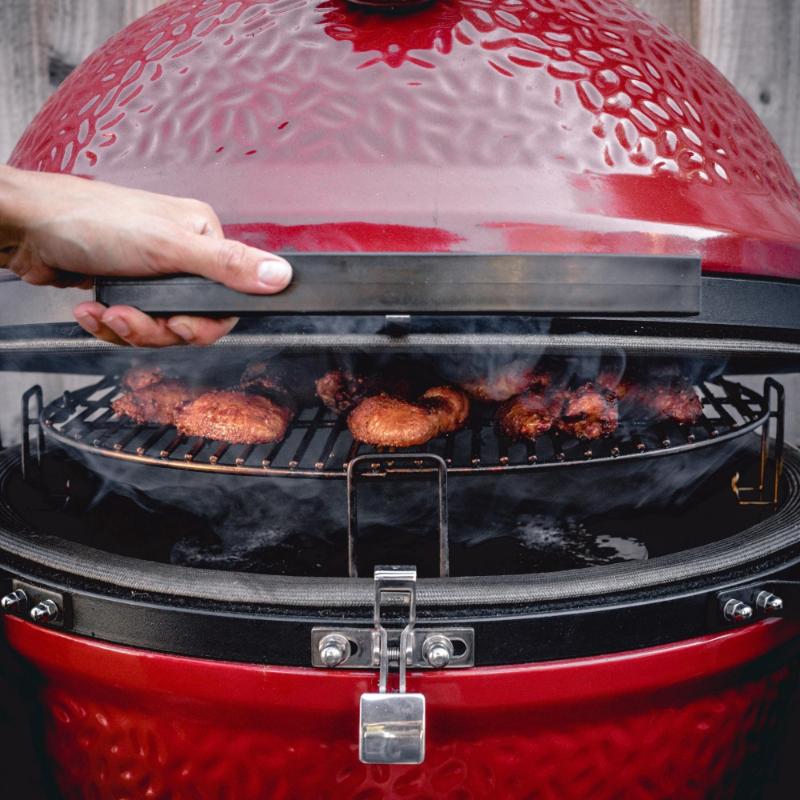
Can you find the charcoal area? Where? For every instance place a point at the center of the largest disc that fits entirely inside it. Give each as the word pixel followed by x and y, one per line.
pixel 263 527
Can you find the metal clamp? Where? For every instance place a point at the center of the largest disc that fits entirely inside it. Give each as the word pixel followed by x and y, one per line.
pixel 762 494
pixel 392 724
pixel 381 465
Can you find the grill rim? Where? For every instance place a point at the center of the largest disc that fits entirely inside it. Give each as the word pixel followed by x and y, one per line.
pixel 778 533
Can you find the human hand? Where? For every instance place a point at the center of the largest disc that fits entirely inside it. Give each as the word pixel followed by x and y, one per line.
pixel 64 231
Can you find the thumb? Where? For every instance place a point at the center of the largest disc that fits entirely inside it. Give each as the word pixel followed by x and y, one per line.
pixel 246 269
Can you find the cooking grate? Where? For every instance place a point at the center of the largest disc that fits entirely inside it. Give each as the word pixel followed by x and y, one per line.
pixel 319 445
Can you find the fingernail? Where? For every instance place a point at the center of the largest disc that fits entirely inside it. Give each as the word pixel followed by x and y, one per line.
pixel 181 329
pixel 118 325
pixel 275 272
pixel 88 322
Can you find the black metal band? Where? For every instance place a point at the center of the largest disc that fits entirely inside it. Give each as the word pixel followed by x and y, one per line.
pixel 503 636
pixel 441 283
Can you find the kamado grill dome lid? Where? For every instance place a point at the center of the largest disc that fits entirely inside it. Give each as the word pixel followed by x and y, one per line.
pixel 491 126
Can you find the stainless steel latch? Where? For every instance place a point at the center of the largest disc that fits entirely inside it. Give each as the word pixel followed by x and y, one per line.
pixel 392 723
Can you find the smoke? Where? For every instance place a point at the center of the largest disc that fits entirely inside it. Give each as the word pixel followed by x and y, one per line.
pixel 251 519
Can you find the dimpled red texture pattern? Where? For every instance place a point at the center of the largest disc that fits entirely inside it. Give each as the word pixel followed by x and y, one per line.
pixel 689 720
pixel 469 125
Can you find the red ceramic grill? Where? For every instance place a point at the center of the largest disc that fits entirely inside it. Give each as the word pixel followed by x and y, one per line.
pixel 462 187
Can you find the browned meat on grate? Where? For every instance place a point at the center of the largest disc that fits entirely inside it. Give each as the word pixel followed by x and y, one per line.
pixel 138 377
pixel 675 400
pixel 449 405
pixel 589 412
pixel 155 402
pixel 529 415
pixel 614 382
pixel 269 380
pixel 507 381
pixel 236 417
pixel 341 390
pixel 394 422
pixel 390 421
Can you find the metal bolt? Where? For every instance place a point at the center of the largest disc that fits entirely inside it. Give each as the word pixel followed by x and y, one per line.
pixel 769 603
pixel 437 650
pixel 334 649
pixel 46 611
pixel 737 611
pixel 14 601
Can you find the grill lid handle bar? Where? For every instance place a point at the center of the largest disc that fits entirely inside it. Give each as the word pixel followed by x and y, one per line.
pixel 438 283
pixel 382 465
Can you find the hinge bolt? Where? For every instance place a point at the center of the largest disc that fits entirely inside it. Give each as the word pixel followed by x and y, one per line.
pixel 437 650
pixel 334 649
pixel 736 611
pixel 769 603
pixel 46 611
pixel 14 601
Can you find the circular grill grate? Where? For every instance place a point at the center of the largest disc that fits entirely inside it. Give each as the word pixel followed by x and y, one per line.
pixel 319 445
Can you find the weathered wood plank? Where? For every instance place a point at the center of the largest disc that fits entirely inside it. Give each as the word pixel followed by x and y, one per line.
pixel 77 28
pixel 23 66
pixel 80 26
pixel 756 45
pixel 677 15
pixel 41 42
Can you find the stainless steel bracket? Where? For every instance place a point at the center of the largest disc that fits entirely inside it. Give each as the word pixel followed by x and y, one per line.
pixel 35 604
pixel 767 492
pixel 409 646
pixel 356 647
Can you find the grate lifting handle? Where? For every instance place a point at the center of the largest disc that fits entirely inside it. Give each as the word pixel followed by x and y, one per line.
pixel 764 494
pixel 381 465
pixel 28 419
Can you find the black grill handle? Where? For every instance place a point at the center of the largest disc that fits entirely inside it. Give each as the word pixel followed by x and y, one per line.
pixel 440 283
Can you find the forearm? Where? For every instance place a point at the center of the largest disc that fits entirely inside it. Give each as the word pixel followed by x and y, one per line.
pixel 15 201
pixel 62 230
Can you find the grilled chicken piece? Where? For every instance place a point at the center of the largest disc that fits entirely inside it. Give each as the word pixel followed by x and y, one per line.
pixel 234 416
pixel 341 390
pixel 157 402
pixel 618 384
pixel 506 381
pixel 449 405
pixel 529 415
pixel 390 421
pixel 394 422
pixel 268 380
pixel 589 412
pixel 675 400
pixel 138 377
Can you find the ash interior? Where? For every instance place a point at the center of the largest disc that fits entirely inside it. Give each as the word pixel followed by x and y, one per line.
pixel 498 524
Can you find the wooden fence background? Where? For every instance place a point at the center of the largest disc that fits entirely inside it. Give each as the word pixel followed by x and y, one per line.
pixel 755 44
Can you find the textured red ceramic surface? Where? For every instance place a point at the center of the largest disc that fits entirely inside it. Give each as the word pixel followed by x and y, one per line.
pixel 473 125
pixel 674 721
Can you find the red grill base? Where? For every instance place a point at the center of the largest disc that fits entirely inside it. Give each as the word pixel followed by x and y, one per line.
pixel 683 720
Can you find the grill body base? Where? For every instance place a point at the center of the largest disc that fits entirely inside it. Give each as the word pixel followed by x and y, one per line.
pixel 693 719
